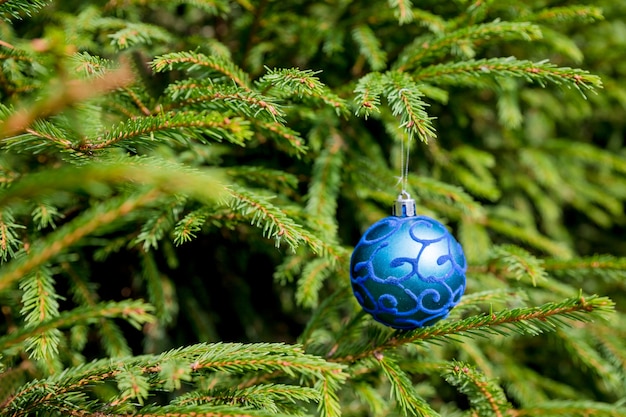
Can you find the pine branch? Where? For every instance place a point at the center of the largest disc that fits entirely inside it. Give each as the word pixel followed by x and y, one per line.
pixel 562 44
pixel 604 267
pixel 9 236
pixel 113 340
pixel 271 179
pixel 520 263
pixel 173 125
pixel 435 23
pixel 213 411
pixel 367 394
pixel 295 83
pixel 226 357
pixel 135 312
pixel 475 239
pixel 453 198
pixel 462 41
pixel 313 276
pixel 8 51
pixel 529 236
pixel 274 222
pixel 15 9
pixel 405 100
pixel 157 287
pixel 202 66
pixel 558 408
pixel 324 313
pixel 159 224
pixel 324 186
pixel 133 34
pixel 477 301
pixel 172 178
pixel 368 90
pixel 525 321
pixel 474 170
pixel 45 249
pixel 90 65
pixel 44 215
pixel 587 154
pixel 370 47
pixel 471 71
pixel 70 93
pixel 186 228
pixel 287 138
pixel 39 305
pixel 213 7
pixel 402 390
pixel 568 14
pixel 275 398
pixel 402 9
pixel 41 136
pixel 329 405
pixel 237 100
pixel 485 396
pixel 582 350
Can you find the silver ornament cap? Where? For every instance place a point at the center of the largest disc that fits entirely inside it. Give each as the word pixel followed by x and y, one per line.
pixel 404 206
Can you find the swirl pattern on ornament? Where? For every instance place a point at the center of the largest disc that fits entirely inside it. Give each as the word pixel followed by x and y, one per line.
pixel 408 272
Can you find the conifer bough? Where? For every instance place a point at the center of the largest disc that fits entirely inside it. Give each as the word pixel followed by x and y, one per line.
pixel 194 173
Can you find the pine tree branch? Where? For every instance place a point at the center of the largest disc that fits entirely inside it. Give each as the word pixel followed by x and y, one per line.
pixel 114 342
pixel 520 263
pixel 40 305
pixel 405 100
pixel 42 251
pixel 227 357
pixel 532 237
pixel 403 10
pixel 295 83
pixel 602 264
pixel 204 66
pixel 219 97
pixel 471 71
pixel 173 125
pixel 558 408
pixel 287 137
pixel 136 312
pixel 271 397
pixel 313 276
pixel 402 389
pixel 429 48
pixel 213 411
pixel 9 236
pixel 133 34
pixel 172 178
pixel 274 222
pixel 525 321
pixel 368 90
pixel 325 183
pixel 73 91
pixel 370 47
pixel 277 224
pixel 486 396
pixel 567 14
pixel 329 405
pixel 583 349
pixel 14 9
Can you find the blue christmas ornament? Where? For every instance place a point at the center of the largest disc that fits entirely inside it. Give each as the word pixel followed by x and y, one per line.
pixel 408 271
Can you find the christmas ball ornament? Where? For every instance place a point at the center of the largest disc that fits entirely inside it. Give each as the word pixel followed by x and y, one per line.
pixel 407 271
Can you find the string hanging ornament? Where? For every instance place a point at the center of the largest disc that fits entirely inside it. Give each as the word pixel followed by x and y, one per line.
pixel 407 270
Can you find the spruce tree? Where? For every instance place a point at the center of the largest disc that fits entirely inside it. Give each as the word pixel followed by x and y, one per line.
pixel 183 183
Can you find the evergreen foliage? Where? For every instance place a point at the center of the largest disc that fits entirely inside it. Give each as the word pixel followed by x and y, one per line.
pixel 182 182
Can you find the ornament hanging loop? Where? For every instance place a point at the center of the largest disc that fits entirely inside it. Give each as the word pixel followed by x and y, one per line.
pixel 404 205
